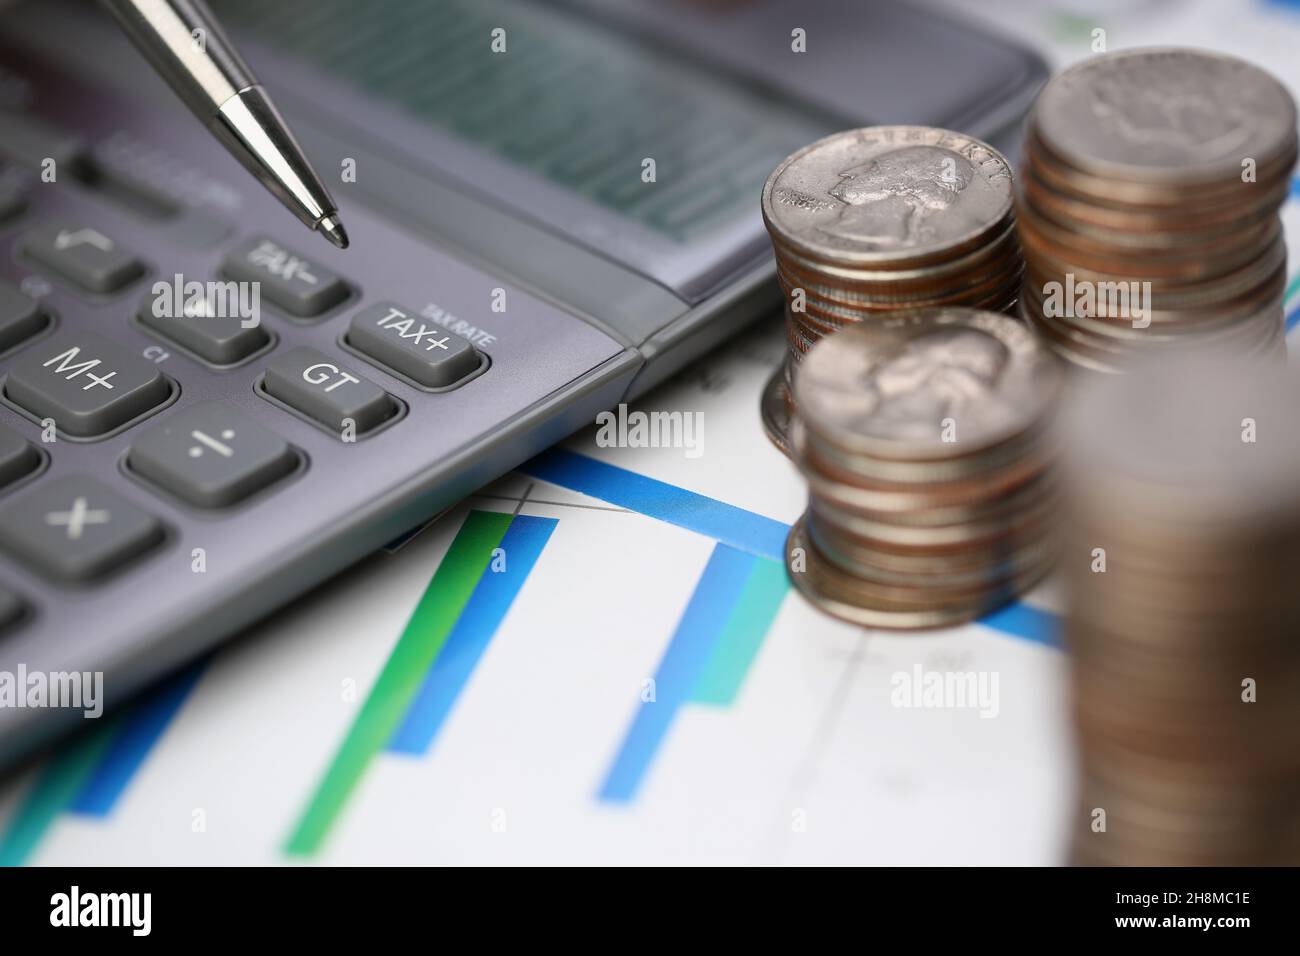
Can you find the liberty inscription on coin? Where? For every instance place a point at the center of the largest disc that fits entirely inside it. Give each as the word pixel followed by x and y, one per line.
pixel 887 191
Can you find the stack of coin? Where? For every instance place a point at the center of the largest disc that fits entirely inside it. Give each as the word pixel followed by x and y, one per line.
pixel 1147 205
pixel 885 219
pixel 1182 483
pixel 923 439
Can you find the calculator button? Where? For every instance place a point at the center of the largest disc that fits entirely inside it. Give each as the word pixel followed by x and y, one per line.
pixel 294 283
pixel 32 142
pixel 20 316
pixel 17 457
pixel 211 455
pixel 221 339
pixel 412 345
pixel 11 607
pixel 12 203
pixel 309 381
pixel 85 383
pixel 76 529
pixel 83 255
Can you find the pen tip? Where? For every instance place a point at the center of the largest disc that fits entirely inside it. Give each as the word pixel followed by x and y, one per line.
pixel 333 230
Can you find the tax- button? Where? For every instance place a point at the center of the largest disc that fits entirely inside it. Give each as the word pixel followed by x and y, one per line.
pixel 411 345
pixel 76 529
pixel 85 383
pixel 83 255
pixel 294 283
pixel 309 381
pixel 211 455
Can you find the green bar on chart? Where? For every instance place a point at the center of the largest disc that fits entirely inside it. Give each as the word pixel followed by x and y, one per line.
pixel 403 675
pixel 751 616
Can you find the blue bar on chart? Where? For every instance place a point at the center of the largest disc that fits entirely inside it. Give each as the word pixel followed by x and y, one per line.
pixel 89 775
pixel 487 606
pixel 716 640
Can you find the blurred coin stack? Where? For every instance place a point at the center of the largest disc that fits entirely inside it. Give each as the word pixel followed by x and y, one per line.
pixel 873 221
pixel 1147 205
pixel 931 496
pixel 1181 553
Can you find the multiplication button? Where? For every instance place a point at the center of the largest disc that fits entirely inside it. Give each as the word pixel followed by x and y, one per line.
pixel 413 346
pixel 76 529
pixel 310 382
pixel 211 455
pixel 85 383
pixel 84 256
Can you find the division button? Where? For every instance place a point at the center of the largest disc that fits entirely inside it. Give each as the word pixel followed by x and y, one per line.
pixel 20 316
pixel 211 331
pixel 320 388
pixel 211 455
pixel 411 345
pixel 293 282
pixel 18 457
pixel 83 255
pixel 76 529
pixel 84 382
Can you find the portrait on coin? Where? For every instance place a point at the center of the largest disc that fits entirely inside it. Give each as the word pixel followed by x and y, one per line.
pixel 890 199
pixel 932 377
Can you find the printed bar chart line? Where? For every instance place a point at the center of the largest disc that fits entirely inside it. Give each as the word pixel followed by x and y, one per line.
pixel 1026 622
pixel 58 782
pixel 744 530
pixel 741 638
pixel 403 674
pixel 741 529
pixel 140 729
pixel 487 607
pixel 698 631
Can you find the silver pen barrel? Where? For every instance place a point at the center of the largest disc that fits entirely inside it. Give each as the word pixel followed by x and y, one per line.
pixel 189 50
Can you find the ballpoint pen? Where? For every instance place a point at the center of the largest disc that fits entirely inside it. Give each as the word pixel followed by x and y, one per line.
pixel 185 44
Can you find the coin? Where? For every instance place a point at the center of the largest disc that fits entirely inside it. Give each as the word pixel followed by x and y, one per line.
pixel 924 441
pixel 1152 181
pixel 883 220
pixel 1183 479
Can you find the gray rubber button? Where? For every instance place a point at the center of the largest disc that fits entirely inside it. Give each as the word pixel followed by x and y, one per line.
pixel 211 455
pixel 11 607
pixel 76 529
pixel 412 345
pixel 208 328
pixel 20 316
pixel 17 457
pixel 85 383
pixel 291 281
pixel 83 255
pixel 314 384
pixel 12 203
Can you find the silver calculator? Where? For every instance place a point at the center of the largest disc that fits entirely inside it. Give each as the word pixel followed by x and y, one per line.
pixel 171 471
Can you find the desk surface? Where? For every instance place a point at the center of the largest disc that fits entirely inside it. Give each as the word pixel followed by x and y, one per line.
pixel 597 659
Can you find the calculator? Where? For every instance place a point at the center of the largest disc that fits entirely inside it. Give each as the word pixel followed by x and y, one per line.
pixel 171 470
